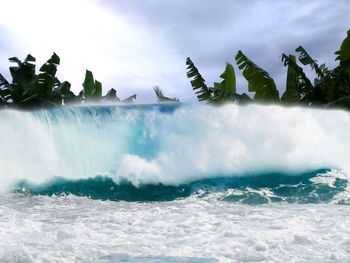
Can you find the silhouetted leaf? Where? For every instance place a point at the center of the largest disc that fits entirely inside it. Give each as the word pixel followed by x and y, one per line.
pixel 54 59
pixel 344 51
pixel 229 79
pixel 15 60
pixel 293 92
pixel 306 59
pixel 98 90
pixel 198 83
pixel 49 68
pixel 130 99
pixel 161 97
pixel 111 95
pixel 30 58
pixel 89 84
pixel 303 86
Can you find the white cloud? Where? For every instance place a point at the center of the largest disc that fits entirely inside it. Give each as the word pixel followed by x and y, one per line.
pixel 133 45
pixel 121 54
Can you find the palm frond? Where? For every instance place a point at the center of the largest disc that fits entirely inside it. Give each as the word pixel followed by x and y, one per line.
pixel 5 92
pixel 226 89
pixel 304 85
pixel 221 96
pixel 129 99
pixel 3 82
pixel 259 81
pixel 158 91
pixel 344 51
pixel 229 80
pixel 197 81
pixel 306 59
pixel 161 97
pixel 293 93
pixel 111 95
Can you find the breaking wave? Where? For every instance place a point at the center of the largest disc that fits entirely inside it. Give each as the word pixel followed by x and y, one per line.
pixel 164 152
pixel 314 187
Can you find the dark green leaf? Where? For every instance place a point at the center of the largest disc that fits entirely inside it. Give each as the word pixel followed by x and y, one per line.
pixel 229 76
pixel 293 92
pixel 259 81
pixel 64 88
pixel 30 58
pixel 54 59
pixel 344 52
pixel 306 59
pixel 89 84
pixel 15 60
pixel 97 94
pixel 49 68
pixel 198 83
pixel 303 85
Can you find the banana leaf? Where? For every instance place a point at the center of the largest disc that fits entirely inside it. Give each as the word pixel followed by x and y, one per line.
pixel 293 92
pixel 306 59
pixel 259 81
pixel 344 51
pixel 198 82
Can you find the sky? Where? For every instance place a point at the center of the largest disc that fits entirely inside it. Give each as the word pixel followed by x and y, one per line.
pixel 133 45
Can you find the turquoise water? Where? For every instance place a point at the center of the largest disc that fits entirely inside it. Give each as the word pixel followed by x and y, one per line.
pixel 174 183
pixel 253 190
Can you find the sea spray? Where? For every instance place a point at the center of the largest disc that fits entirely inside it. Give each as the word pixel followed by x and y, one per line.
pixel 169 144
pixel 245 184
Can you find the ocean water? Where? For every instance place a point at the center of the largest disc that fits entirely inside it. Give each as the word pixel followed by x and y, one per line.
pixel 174 183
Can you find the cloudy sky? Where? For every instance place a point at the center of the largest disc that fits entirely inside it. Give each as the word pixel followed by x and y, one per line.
pixel 132 45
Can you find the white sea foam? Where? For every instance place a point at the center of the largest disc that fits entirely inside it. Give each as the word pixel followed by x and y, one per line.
pixel 144 146
pixel 73 229
pixel 194 142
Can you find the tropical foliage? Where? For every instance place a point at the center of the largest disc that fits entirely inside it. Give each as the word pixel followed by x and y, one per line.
pixel 220 92
pixel 161 97
pixel 92 88
pixel 259 81
pixel 331 88
pixel 198 82
pixel 29 89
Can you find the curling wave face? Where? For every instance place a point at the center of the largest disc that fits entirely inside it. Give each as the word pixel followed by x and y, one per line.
pixel 176 149
pixel 310 188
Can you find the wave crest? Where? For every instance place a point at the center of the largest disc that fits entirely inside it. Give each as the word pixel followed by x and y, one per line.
pixel 169 144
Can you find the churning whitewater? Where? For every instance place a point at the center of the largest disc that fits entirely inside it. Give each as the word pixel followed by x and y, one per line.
pixel 169 144
pixel 216 184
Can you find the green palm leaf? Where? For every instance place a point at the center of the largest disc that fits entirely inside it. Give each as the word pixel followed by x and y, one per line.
pixel 198 83
pixel 225 90
pixel 259 81
pixel 306 59
pixel 98 90
pixel 344 51
pixel 229 80
pixel 303 86
pixel 293 92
